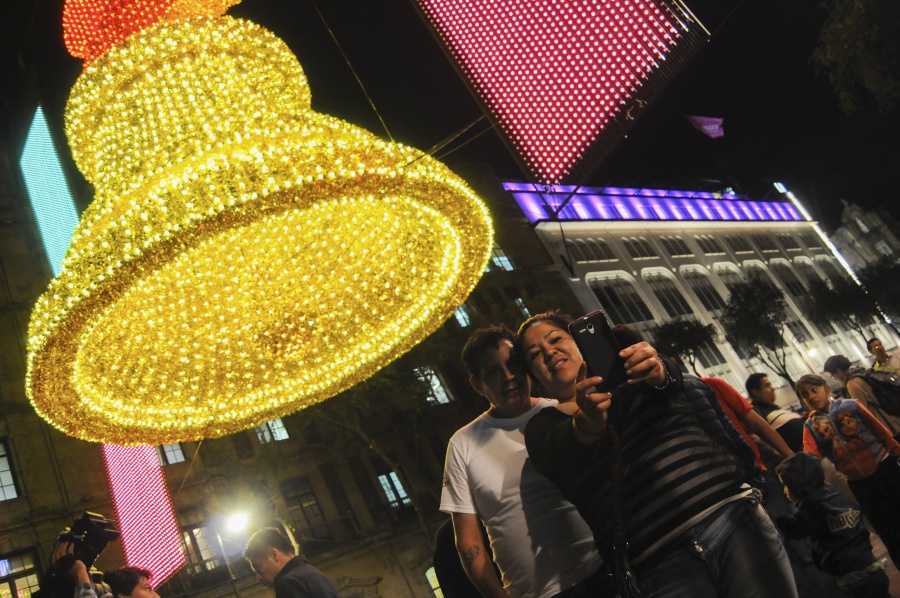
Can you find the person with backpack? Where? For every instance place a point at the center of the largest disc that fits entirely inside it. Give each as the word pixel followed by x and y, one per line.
pixel 879 392
pixel 862 449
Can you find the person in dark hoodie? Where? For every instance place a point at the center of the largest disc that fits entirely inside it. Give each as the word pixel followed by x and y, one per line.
pixel 833 523
pixel 276 565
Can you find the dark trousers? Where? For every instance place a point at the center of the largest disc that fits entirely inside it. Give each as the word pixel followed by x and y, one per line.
pixel 877 496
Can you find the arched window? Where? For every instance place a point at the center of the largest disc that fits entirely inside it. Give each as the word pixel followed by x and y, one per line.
pixel 620 300
pixel 704 290
pixel 807 273
pixel 668 294
pixel 730 276
pixel 831 271
pixel 788 279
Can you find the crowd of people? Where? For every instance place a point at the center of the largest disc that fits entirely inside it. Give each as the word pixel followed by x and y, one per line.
pixel 658 488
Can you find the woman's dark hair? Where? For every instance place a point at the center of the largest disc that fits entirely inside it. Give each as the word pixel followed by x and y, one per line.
pixel 556 318
pixel 124 579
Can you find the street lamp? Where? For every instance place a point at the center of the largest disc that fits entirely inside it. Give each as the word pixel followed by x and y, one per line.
pixel 235 523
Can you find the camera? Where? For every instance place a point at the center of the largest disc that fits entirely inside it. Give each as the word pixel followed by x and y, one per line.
pixel 89 535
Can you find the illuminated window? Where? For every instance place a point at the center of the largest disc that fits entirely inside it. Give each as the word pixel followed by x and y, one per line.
pixel 862 226
pixel 788 242
pixel 830 270
pixel 709 244
pixel 738 244
pixel 499 260
pixel 759 276
pixel 18 575
pixel 462 315
pixel 7 479
pixel 765 243
pixel 704 290
pixel 668 294
pixel 709 355
pixel 807 273
pixel 48 190
pixel 272 430
pixel 433 582
pixel 586 250
pixel 800 331
pixel 676 246
pixel 304 509
pixel 394 490
pixel 437 391
pixel 170 453
pixel 730 277
pixel 883 248
pixel 639 247
pixel 198 542
pixel 620 300
pixel 788 279
pixel 812 241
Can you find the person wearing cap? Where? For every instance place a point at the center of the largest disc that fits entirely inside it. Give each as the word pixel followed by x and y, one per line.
pixel 834 525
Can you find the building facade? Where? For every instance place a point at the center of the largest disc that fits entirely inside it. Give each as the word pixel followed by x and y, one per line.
pixel 865 236
pixel 646 256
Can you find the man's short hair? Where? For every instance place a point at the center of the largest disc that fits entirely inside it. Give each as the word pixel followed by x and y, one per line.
pixel 754 382
pixel 870 341
pixel 809 380
pixel 835 363
pixel 482 341
pixel 124 579
pixel 268 537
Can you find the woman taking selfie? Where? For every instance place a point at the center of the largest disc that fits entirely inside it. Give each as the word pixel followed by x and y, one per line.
pixel 655 470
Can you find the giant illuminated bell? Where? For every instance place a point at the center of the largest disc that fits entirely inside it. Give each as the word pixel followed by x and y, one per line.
pixel 244 256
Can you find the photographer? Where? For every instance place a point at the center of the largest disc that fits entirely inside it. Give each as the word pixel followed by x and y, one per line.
pixel 125 582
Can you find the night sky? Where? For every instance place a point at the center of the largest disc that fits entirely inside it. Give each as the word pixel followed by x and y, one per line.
pixel 781 121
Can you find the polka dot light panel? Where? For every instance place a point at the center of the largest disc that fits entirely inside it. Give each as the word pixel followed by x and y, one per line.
pixel 555 73
pixel 143 510
pixel 244 256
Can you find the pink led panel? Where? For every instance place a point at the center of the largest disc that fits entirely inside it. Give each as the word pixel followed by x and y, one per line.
pixel 556 74
pixel 149 531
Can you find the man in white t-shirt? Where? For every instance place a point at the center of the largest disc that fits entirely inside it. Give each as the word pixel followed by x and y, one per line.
pixel 541 545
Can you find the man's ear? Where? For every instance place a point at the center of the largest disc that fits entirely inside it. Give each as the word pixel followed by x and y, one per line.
pixel 272 555
pixel 477 384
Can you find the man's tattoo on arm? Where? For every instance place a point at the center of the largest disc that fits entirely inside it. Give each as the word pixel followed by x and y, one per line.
pixel 470 554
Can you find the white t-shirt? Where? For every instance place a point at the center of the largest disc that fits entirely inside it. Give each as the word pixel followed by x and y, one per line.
pixel 540 543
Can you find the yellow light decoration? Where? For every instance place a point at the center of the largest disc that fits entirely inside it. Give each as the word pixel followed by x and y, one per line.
pixel 244 257
pixel 92 27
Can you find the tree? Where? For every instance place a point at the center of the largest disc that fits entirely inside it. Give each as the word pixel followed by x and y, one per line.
pixel 754 318
pixel 841 301
pixel 683 338
pixel 859 50
pixel 882 282
pixel 387 407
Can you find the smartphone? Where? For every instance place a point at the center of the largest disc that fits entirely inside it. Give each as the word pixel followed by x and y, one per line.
pixel 599 349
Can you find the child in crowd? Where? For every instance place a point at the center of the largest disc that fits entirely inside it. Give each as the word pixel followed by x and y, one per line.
pixel 862 449
pixel 833 523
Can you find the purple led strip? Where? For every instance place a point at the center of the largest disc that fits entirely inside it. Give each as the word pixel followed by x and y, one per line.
pixel 540 204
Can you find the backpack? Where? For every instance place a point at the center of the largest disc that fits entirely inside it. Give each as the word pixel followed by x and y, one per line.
pixel 885 387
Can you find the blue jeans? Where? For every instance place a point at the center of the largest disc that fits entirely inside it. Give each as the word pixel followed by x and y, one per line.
pixel 736 552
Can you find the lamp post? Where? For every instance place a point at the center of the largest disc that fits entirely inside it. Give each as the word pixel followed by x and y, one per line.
pixel 235 523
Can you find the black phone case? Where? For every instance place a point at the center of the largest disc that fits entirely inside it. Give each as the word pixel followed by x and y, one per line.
pixel 599 349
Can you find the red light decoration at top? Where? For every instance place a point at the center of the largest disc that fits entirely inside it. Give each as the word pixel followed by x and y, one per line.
pixel 92 27
pixel 555 74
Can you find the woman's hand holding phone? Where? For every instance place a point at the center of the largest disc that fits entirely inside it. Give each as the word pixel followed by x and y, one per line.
pixel 593 405
pixel 642 364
